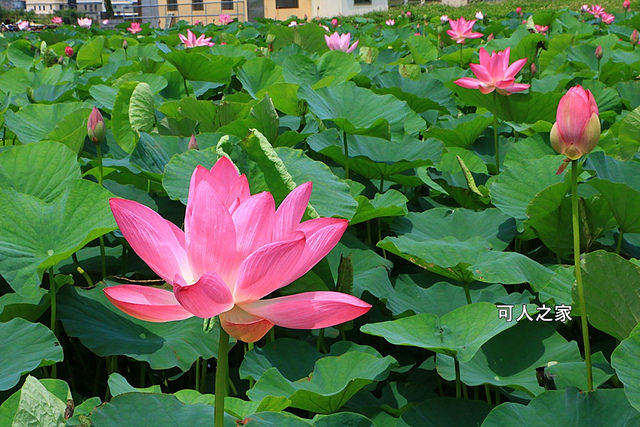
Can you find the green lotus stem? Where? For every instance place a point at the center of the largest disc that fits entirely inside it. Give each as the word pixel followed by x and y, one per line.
pixel 487 392
pixel 619 244
pixel 320 341
pixel 198 374
pixel 497 396
pixel 346 154
pixel 461 63
pixel 496 145
pixel 250 348
pixel 467 293
pixel 458 383
pixel 465 393
pixel 576 262
pixel 143 368
pixel 382 183
pixel 186 89
pixel 103 259
pixel 222 374
pixel 52 298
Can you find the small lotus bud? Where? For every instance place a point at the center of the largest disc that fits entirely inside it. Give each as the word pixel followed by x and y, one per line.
pixel 533 68
pixel 599 53
pixel 334 22
pixel 634 37
pixel 68 51
pixel 95 126
pixel 519 11
pixel 125 45
pixel 491 36
pixel 193 145
pixel 626 4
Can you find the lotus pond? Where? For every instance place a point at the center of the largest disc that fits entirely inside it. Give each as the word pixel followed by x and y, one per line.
pixel 436 183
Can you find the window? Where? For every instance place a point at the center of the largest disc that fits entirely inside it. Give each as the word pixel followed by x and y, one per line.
pixel 286 4
pixel 172 4
pixel 227 5
pixel 361 2
pixel 197 5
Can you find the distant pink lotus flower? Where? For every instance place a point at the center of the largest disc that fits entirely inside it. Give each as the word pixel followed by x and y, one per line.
pixel 584 8
pixel 577 128
pixel 596 10
pixel 417 34
pixel 134 28
pixel 105 22
pixel 390 22
pixel 408 14
pixel 634 36
pixel 68 50
pixel 491 37
pixel 23 25
pixel 495 73
pixel 461 29
pixel 524 21
pixel 607 18
pixel 479 15
pixel 340 42
pixel 191 41
pixel 626 4
pixel 519 11
pixel 85 22
pixel 444 19
pixel 542 29
pixel 197 22
pixel 292 24
pixel 235 250
pixel 225 19
pixel 56 20
pixel 334 22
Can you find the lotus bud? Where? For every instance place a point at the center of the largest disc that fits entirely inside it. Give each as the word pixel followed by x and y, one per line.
pixel 334 22
pixel 95 126
pixel 577 128
pixel 533 68
pixel 599 53
pixel 634 37
pixel 193 144
pixel 519 11
pixel 68 51
pixel 626 4
pixel 491 36
pixel 125 45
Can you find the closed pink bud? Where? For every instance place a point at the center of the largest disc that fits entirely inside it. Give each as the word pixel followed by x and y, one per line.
pixel 334 22
pixel 519 11
pixel 95 126
pixel 533 68
pixel 626 4
pixel 599 52
pixel 68 51
pixel 577 128
pixel 634 37
pixel 193 144
pixel 491 36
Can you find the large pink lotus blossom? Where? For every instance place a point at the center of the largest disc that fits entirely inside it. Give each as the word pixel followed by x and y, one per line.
pixel 85 22
pixel 56 20
pixel 225 19
pixel 134 28
pixel 577 128
pixel 461 29
pixel 191 41
pixel 340 42
pixel 495 73
pixel 235 250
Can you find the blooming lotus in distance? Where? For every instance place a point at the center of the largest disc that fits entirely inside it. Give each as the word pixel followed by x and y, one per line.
pixel 340 42
pixel 225 19
pixel 444 19
pixel 577 128
pixel 495 73
pixel 461 29
pixel 236 249
pixel 390 22
pixel 23 25
pixel 479 15
pixel 134 28
pixel 56 20
pixel 541 29
pixel 85 22
pixel 191 41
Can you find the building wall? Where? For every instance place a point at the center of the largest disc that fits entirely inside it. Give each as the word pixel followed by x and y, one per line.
pixel 304 8
pixel 45 7
pixel 163 14
pixel 330 8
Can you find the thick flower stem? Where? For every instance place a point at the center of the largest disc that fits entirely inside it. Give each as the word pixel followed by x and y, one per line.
pixel 222 373
pixel 467 293
pixel 576 261
pixel 461 63
pixel 52 297
pixel 458 382
pixel 346 154
pixel 496 145
pixel 103 261
pixel 619 244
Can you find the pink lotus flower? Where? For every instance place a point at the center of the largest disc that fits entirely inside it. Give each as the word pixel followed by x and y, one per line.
pixel 390 22
pixel 225 19
pixel 334 22
pixel 134 28
pixel 598 53
pixel 577 128
pixel 105 22
pixel 479 15
pixel 417 34
pixel 85 22
pixel 596 10
pixel 607 18
pixel 408 14
pixel 292 24
pixel 626 4
pixel 584 8
pixel 68 50
pixel 56 20
pixel 519 11
pixel 524 21
pixel 235 250
pixel 23 25
pixel 340 42
pixel 192 41
pixel 461 29
pixel 542 29
pixel 495 73
pixel 444 19
pixel 634 36
pixel 95 126
pixel 197 22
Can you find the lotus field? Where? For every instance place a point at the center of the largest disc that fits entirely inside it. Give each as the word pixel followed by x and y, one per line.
pixel 406 221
